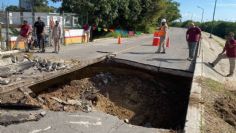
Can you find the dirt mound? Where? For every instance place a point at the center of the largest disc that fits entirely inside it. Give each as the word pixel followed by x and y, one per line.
pixel 143 102
pixel 219 107
pixel 226 109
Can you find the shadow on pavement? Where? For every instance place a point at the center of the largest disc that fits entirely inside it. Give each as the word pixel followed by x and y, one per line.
pixel 140 53
pixel 148 45
pixel 103 52
pixel 206 64
pixel 165 60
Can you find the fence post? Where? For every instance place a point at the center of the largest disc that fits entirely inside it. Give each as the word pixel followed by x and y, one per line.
pixel 7 30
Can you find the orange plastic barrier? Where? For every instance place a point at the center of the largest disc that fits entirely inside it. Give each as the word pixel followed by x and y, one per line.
pixel 156 39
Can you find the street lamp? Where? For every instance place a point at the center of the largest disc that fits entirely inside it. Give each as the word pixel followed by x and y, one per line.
pixel 202 12
pixel 212 24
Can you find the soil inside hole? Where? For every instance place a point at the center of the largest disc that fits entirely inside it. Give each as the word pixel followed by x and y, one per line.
pixel 219 101
pixel 150 100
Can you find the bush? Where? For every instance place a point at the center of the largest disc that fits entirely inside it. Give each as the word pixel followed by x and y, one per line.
pixel 221 28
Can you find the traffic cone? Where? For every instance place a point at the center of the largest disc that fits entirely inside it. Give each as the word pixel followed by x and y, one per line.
pixel 119 40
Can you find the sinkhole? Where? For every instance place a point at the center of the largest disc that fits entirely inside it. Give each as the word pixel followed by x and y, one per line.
pixel 146 98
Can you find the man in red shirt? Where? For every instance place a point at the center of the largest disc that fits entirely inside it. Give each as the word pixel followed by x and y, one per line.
pixel 230 48
pixel 24 34
pixel 193 36
pixel 87 30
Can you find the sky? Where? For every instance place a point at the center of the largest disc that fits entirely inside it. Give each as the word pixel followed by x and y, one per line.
pixel 225 10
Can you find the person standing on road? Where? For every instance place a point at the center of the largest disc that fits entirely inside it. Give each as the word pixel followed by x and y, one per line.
pixel 39 27
pixel 87 30
pixel 163 36
pixel 56 35
pixel 25 30
pixel 230 49
pixel 193 36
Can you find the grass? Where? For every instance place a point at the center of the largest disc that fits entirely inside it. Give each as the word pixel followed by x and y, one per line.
pixel 216 86
pixel 213 91
pixel 211 84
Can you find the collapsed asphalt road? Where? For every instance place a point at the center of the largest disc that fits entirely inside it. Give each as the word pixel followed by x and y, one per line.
pixel 137 97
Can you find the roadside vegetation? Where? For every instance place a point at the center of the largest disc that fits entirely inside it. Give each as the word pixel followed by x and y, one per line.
pixel 135 15
pixel 128 15
pixel 221 28
pixel 219 107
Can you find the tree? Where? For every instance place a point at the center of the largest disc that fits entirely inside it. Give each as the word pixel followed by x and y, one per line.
pixel 133 14
pixel 13 8
pixel 39 6
pixel 172 11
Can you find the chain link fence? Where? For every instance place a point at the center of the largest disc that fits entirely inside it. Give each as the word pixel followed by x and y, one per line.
pixel 10 23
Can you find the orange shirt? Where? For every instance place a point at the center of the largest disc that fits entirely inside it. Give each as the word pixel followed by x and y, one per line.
pixel 162 31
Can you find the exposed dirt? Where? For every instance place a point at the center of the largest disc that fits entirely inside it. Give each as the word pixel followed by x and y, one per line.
pixel 154 101
pixel 219 107
pixel 226 108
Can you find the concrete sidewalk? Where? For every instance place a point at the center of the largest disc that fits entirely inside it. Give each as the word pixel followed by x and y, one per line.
pixel 208 51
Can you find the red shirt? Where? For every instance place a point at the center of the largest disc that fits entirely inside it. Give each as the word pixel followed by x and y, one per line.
pixel 193 34
pixel 24 30
pixel 86 27
pixel 230 48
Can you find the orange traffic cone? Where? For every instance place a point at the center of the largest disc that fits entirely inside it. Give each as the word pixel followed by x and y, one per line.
pixel 119 40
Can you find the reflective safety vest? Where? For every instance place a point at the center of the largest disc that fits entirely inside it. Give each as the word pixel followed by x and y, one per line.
pixel 162 32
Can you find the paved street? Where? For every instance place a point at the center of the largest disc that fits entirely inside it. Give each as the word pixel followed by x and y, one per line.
pixel 94 122
pixel 137 49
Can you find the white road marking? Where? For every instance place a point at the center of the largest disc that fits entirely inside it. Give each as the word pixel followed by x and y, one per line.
pixel 40 130
pixel 84 116
pixel 86 123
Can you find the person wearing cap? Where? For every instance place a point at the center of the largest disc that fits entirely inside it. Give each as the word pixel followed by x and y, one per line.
pixel 230 49
pixel 163 35
pixel 193 36
pixel 56 35
pixel 25 30
pixel 39 28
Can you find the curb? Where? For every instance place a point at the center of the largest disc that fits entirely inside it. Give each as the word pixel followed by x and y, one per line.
pixel 194 112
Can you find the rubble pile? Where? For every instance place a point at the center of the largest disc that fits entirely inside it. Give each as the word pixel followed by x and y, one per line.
pixel 132 99
pixel 17 65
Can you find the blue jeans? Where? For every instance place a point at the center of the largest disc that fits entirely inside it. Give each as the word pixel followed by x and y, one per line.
pixel 192 49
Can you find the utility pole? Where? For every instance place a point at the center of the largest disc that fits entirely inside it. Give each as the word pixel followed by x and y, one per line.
pixel 62 23
pixel 202 12
pixel 212 24
pixel 33 12
pixel 7 29
pixel 21 11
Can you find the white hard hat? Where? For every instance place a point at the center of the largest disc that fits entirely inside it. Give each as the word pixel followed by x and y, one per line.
pixel 163 20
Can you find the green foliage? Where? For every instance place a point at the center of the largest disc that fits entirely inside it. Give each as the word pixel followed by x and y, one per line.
pixel 14 31
pixel 127 14
pixel 42 6
pixel 221 28
pixel 13 8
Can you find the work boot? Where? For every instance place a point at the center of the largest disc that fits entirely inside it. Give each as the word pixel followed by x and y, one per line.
pixel 189 59
pixel 229 75
pixel 211 64
pixel 43 51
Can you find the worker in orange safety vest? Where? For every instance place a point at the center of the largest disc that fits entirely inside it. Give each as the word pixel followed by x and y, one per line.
pixel 163 36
